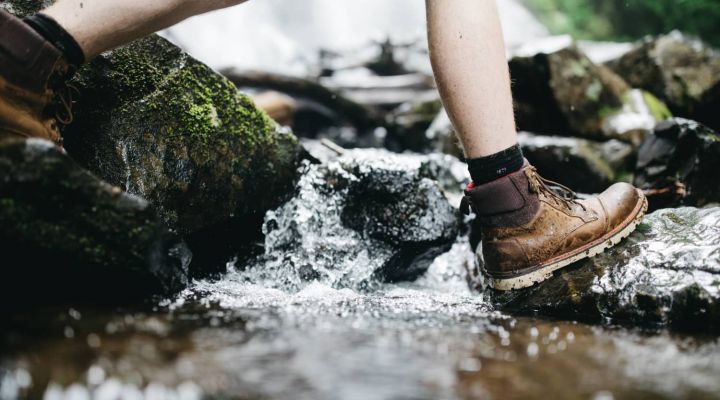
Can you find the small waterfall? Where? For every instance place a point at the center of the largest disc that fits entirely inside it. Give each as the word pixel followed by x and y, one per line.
pixel 283 36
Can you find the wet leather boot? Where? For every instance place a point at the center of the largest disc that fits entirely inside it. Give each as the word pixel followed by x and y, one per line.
pixel 530 229
pixel 34 97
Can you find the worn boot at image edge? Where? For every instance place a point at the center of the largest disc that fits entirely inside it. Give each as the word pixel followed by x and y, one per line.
pixel 33 98
pixel 529 230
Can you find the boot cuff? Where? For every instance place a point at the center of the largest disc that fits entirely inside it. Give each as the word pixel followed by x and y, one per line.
pixel 504 202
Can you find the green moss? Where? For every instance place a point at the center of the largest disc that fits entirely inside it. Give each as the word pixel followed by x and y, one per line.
pixel 643 228
pixel 608 111
pixel 594 90
pixel 430 108
pixel 577 68
pixel 675 218
pixel 198 103
pixel 624 176
pixel 658 109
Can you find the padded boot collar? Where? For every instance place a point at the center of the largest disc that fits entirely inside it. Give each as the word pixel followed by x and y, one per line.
pixel 27 60
pixel 504 202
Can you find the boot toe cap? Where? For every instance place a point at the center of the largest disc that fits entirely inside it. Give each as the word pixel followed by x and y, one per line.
pixel 620 201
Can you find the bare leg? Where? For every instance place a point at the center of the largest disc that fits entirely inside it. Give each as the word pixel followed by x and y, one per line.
pixel 100 25
pixel 468 57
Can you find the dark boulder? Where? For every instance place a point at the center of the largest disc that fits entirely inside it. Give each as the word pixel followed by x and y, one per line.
pixel 677 165
pixel 162 125
pixel 682 71
pixel 65 234
pixel 667 273
pixel 369 215
pixel 558 90
pixel 585 166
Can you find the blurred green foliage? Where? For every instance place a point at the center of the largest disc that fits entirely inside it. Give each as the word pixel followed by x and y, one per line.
pixel 630 19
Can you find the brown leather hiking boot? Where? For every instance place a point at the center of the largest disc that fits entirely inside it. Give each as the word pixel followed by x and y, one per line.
pixel 530 230
pixel 34 99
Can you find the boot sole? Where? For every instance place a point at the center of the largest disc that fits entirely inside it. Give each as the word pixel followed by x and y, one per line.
pixel 546 270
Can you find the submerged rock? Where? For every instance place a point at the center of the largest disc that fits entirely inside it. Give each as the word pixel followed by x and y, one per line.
pixel 682 71
pixel 558 90
pixel 583 165
pixel 667 273
pixel 64 233
pixel 365 216
pixel 677 165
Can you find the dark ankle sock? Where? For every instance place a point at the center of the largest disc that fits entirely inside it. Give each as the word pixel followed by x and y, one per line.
pixel 58 36
pixel 488 168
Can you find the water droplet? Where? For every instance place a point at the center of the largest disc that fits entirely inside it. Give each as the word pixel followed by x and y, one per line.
pixel 93 340
pixel 532 350
pixel 75 314
pixel 69 332
pixel 95 375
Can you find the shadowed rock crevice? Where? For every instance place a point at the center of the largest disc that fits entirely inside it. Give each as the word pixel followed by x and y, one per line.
pixel 65 234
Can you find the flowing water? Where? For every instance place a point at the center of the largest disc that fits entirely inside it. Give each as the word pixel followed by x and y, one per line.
pixel 243 337
pixel 248 337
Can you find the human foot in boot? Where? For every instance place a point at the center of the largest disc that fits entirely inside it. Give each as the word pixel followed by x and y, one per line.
pixel 530 230
pixel 34 97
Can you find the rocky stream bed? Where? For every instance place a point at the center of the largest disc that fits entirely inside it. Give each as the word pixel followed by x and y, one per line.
pixel 188 246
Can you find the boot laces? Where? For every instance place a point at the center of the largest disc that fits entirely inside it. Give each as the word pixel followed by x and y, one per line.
pixel 64 95
pixel 559 192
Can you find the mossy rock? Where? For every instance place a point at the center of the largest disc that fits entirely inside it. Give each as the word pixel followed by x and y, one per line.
pixel 680 70
pixel 584 165
pixel 667 273
pixel 65 234
pixel 560 91
pixel 160 124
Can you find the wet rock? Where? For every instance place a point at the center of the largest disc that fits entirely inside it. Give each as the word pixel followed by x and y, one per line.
pixel 585 166
pixel 319 109
pixel 667 273
pixel 681 70
pixel 164 126
pixel 409 124
pixel 441 134
pixel 22 8
pixel 677 165
pixel 365 216
pixel 558 90
pixel 64 233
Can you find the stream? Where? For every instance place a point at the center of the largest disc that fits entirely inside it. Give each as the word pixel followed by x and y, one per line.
pixel 257 333
pixel 240 337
